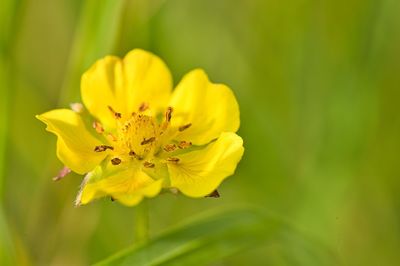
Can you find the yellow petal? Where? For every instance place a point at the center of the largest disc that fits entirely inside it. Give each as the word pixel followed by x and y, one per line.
pixel 75 145
pixel 210 108
pixel 131 199
pixel 128 186
pixel 140 77
pixel 148 80
pixel 99 87
pixel 199 173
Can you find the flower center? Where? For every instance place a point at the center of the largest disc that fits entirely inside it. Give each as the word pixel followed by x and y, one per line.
pixel 140 138
pixel 137 136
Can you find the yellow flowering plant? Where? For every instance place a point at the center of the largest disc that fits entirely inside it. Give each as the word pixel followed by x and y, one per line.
pixel 137 137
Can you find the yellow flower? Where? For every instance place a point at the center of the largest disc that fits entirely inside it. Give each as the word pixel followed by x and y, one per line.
pixel 138 137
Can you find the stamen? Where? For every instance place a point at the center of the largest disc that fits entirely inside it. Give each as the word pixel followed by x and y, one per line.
pixel 148 165
pixel 173 160
pixel 184 144
pixel 103 148
pixel 134 155
pixel 99 128
pixel 168 114
pixel 182 128
pixel 127 126
pixel 143 107
pixel 111 137
pixel 147 141
pixel 116 114
pixel 169 147
pixel 116 161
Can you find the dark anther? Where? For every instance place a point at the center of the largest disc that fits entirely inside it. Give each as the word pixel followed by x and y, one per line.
pixel 148 165
pixel 98 127
pixel 127 126
pixel 147 141
pixel 168 114
pixel 116 114
pixel 134 155
pixel 184 144
pixel 116 161
pixel 182 128
pixel 169 147
pixel 173 160
pixel 143 107
pixel 112 199
pixel 213 194
pixel 102 148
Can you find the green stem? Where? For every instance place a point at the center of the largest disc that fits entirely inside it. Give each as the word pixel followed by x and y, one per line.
pixel 142 222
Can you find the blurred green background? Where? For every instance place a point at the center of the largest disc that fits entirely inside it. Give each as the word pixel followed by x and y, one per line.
pixel 318 83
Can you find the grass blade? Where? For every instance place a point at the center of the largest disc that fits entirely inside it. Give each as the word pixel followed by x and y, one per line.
pixel 216 235
pixel 199 241
pixel 95 37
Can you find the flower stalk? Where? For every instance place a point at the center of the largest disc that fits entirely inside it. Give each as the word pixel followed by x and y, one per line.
pixel 142 222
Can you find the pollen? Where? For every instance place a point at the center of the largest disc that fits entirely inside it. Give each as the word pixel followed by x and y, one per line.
pixel 173 160
pixel 168 114
pixel 116 114
pixel 143 107
pixel 116 161
pixel 102 148
pixel 184 127
pixel 148 164
pixel 169 147
pixel 147 141
pixel 184 144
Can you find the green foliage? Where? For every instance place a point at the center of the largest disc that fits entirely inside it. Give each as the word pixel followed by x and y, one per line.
pixel 7 252
pixel 95 37
pixel 8 21
pixel 214 235
pixel 202 240
pixel 3 120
